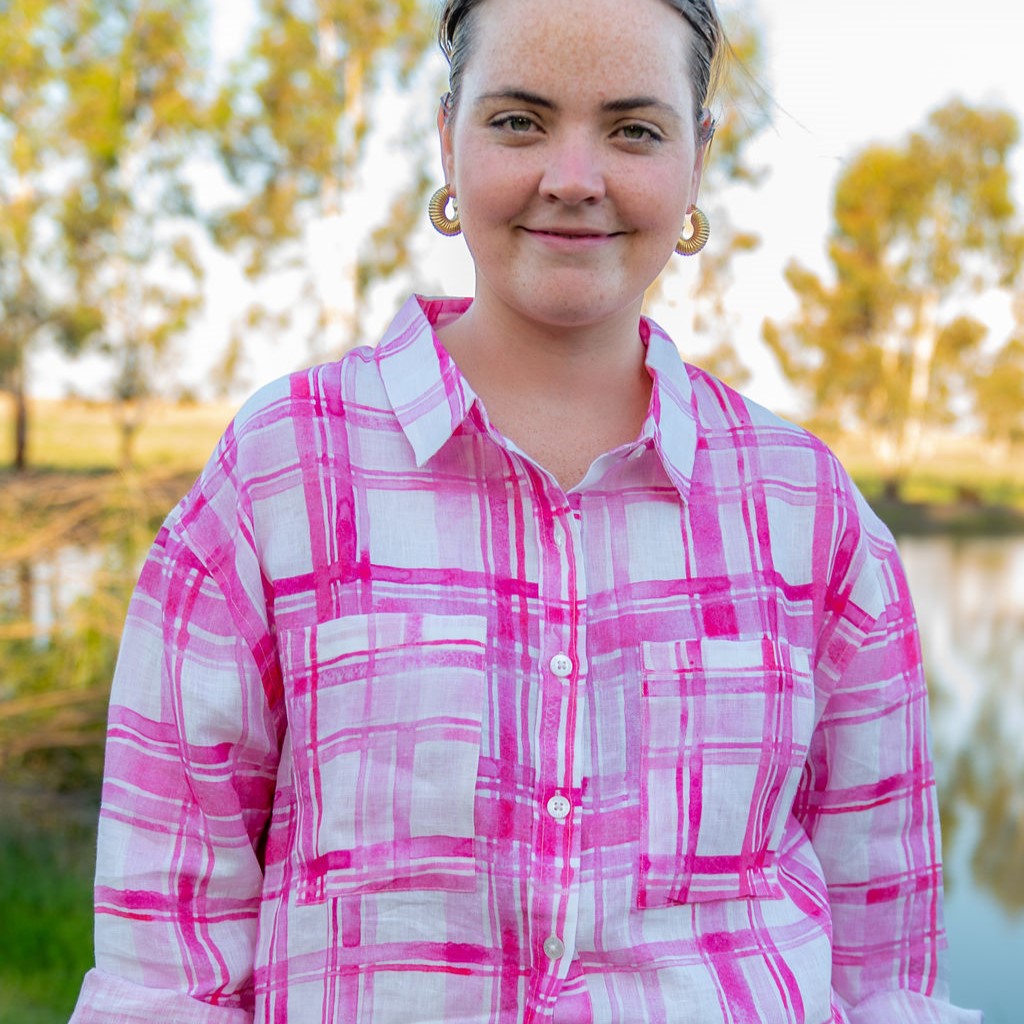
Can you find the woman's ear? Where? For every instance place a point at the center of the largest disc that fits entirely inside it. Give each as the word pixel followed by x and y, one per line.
pixel 697 174
pixel 705 134
pixel 444 133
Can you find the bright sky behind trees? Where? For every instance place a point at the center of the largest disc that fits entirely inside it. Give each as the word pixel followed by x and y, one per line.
pixel 839 75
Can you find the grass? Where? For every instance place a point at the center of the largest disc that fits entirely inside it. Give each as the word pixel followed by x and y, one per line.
pixel 84 436
pixel 964 488
pixel 47 856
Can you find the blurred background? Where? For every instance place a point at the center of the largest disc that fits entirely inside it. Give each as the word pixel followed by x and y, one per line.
pixel 196 198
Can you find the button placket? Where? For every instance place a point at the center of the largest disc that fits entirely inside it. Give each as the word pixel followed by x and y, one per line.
pixel 560 667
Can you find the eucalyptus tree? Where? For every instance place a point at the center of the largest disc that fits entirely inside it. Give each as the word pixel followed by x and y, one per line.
pixel 133 74
pixel 31 146
pixel 292 125
pixel 892 344
pixel 999 395
pixel 100 105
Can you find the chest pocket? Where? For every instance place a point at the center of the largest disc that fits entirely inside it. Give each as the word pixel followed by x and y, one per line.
pixel 385 717
pixel 726 729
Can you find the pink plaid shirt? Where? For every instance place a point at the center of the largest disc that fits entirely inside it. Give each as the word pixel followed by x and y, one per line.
pixel 402 732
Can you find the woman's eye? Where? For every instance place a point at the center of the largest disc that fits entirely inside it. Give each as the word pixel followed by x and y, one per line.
pixel 640 133
pixel 515 123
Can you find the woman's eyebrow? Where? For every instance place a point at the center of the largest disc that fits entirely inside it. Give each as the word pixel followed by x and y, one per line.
pixel 638 103
pixel 619 106
pixel 522 95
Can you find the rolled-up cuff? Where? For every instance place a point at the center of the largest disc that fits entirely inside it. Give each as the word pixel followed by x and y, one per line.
pixel 105 999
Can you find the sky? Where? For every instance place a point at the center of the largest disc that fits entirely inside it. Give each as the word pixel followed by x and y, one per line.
pixel 843 75
pixel 840 75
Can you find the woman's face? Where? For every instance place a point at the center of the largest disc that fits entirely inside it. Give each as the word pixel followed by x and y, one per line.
pixel 573 154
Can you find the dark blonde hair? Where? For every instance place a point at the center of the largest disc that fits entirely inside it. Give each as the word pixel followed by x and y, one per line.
pixel 455 36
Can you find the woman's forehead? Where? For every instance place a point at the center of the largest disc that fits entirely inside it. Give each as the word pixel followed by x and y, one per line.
pixel 557 46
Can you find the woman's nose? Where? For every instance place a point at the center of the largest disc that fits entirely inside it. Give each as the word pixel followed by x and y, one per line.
pixel 574 172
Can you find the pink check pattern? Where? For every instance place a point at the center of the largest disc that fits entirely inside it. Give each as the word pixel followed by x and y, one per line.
pixel 400 731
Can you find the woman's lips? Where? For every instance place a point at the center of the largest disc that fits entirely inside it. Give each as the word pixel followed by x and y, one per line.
pixel 572 238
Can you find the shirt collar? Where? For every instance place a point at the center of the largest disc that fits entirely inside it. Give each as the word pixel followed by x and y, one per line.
pixel 672 420
pixel 431 398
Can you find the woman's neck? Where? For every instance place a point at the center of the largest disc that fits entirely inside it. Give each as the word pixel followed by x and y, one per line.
pixel 504 355
pixel 563 396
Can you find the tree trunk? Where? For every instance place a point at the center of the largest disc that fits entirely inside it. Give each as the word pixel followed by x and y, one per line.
pixel 128 432
pixel 20 430
pixel 129 421
pixel 923 358
pixel 892 487
pixel 26 590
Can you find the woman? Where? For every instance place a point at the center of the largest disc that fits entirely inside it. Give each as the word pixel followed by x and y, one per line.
pixel 514 670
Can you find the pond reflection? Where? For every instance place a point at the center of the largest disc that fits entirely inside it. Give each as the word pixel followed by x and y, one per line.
pixel 37 593
pixel 970 603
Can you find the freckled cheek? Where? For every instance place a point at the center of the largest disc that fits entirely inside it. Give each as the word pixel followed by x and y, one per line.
pixel 659 210
pixel 493 202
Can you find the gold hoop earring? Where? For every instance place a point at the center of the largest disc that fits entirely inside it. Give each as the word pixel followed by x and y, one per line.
pixel 699 234
pixel 438 207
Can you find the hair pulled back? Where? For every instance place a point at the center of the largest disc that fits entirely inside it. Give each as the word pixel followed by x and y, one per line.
pixel 455 36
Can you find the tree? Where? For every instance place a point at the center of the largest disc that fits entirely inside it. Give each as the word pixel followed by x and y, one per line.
pixel 30 141
pixel 920 229
pixel 998 392
pixel 98 101
pixel 292 126
pixel 132 71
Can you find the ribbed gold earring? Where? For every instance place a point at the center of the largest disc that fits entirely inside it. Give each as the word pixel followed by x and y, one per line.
pixel 700 232
pixel 438 207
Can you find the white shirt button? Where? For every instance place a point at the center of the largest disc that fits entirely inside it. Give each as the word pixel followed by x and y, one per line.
pixel 559 807
pixel 561 665
pixel 553 947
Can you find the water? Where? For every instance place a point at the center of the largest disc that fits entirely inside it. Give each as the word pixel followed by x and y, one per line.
pixel 41 592
pixel 970 602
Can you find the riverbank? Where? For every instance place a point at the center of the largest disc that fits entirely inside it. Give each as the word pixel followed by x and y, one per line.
pixel 963 518
pixel 42 507
pixel 960 485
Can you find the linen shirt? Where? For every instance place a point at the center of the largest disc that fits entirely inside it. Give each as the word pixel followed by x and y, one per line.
pixel 401 731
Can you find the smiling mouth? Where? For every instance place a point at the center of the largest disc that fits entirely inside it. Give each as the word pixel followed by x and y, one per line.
pixel 573 234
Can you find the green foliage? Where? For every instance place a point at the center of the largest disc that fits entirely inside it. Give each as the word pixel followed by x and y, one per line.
pixel 919 230
pixel 47 857
pixel 291 128
pixel 56 667
pixel 999 394
pixel 101 103
pixel 53 720
pixel 54 682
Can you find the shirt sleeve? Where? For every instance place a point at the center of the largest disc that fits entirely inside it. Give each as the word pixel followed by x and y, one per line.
pixel 192 748
pixel 868 800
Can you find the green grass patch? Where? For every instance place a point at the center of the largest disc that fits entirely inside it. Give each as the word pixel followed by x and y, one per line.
pixel 85 436
pixel 957 519
pixel 47 858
